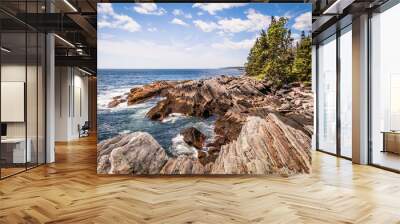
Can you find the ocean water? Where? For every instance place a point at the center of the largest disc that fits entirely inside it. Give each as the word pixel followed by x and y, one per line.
pixel 124 119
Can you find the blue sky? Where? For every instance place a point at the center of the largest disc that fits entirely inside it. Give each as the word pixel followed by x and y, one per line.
pixel 187 35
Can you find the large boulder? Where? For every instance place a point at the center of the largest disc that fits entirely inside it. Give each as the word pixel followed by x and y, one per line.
pixel 275 145
pixel 135 153
pixel 193 137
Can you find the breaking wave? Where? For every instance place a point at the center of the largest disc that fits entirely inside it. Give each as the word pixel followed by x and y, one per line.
pixel 180 147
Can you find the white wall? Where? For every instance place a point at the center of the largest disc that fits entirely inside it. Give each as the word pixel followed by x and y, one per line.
pixel 70 84
pixel 61 103
pixel 14 73
pixel 80 110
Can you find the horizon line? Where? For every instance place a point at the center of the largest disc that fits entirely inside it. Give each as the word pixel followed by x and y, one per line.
pixel 171 68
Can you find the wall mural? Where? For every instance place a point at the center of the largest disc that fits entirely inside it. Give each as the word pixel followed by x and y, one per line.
pixel 204 88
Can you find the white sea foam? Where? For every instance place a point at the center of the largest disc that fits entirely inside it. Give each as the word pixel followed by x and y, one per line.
pixel 180 147
pixel 124 132
pixel 173 117
pixel 108 95
pixel 206 128
pixel 141 109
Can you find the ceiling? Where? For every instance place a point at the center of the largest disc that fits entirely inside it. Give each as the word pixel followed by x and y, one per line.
pixel 328 13
pixel 73 21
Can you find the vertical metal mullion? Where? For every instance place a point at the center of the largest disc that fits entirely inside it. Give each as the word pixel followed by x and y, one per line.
pixel 73 92
pixel 0 96
pixel 316 97
pixel 60 88
pixel 69 90
pixel 338 73
pixel 45 95
pixel 37 90
pixel 369 79
pixel 45 89
pixel 26 86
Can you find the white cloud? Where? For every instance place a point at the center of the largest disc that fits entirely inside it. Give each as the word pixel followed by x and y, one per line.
pixel 152 29
pixel 200 13
pixel 178 12
pixel 110 19
pixel 104 24
pixel 179 22
pixel 106 36
pixel 105 8
pixel 136 54
pixel 254 21
pixel 288 15
pixel 229 44
pixel 205 26
pixel 303 22
pixel 149 9
pixel 212 8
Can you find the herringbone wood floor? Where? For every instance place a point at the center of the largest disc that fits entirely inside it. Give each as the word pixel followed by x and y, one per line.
pixel 69 191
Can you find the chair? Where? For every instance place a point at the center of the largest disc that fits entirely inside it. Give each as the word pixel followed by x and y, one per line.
pixel 84 130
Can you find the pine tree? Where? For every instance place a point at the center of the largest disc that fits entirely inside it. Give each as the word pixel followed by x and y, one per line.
pixel 257 55
pixel 301 70
pixel 251 59
pixel 273 56
pixel 279 54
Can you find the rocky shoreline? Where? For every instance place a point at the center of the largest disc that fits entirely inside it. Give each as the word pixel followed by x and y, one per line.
pixel 258 130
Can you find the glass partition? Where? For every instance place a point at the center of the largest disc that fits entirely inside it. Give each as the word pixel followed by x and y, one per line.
pixel 22 101
pixel 385 89
pixel 13 94
pixel 346 92
pixel 327 95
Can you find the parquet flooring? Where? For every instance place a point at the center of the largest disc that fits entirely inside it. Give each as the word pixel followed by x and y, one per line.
pixel 69 191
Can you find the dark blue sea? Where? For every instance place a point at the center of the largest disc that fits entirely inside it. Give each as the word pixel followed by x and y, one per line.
pixel 124 119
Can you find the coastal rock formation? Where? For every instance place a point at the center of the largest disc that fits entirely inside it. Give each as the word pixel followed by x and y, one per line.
pixel 232 99
pixel 135 153
pixel 203 98
pixel 193 137
pixel 300 101
pixel 270 145
pixel 258 129
pixel 274 145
